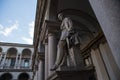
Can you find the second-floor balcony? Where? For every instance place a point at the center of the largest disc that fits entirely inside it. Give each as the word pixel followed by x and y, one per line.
pixel 15 62
pixel 13 59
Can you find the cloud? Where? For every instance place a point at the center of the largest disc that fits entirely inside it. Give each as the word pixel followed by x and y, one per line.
pixel 28 40
pixel 1 41
pixel 10 21
pixel 7 31
pixel 31 29
pixel 1 27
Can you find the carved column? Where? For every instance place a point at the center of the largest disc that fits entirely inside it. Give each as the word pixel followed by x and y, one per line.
pixel 40 71
pixel 30 63
pixel 51 32
pixel 52 50
pixel 3 62
pixel 1 59
pixel 20 60
pixel 16 62
pixel 46 61
pixel 99 65
pixel 111 65
pixel 0 55
pixel 107 13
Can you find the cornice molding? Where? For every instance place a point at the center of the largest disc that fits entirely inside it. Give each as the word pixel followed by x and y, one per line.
pixel 15 44
pixel 41 56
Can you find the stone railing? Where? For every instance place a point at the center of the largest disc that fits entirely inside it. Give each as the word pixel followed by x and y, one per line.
pixel 8 67
pixel 24 67
pixel 15 67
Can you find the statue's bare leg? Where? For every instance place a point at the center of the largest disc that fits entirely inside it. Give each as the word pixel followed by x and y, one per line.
pixel 60 54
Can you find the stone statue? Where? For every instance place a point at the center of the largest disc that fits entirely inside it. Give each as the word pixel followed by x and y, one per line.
pixel 69 38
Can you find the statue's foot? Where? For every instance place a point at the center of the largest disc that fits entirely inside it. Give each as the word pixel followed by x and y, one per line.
pixel 54 67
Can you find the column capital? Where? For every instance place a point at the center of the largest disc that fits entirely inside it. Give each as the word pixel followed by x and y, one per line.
pixel 52 26
pixel 98 42
pixel 49 28
pixel 45 41
pixel 51 34
pixel 41 56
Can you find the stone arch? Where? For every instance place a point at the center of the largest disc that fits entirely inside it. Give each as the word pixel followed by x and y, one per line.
pixel 11 56
pixel 12 51
pixel 78 14
pixel 26 53
pixel 6 76
pixel 23 76
pixel 87 25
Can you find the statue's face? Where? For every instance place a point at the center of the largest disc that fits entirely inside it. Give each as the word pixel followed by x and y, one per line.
pixel 60 16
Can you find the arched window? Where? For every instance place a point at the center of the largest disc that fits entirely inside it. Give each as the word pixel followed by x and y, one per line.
pixel 11 56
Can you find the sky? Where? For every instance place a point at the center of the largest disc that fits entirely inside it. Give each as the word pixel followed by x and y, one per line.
pixel 17 19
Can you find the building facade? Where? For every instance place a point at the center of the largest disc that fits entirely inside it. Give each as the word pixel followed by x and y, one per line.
pixel 16 61
pixel 98 22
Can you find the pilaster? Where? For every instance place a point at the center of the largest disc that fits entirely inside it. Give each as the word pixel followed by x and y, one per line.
pixel 20 59
pixel 16 62
pixel 106 12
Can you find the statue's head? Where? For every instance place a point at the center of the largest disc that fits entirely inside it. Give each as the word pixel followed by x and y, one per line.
pixel 61 16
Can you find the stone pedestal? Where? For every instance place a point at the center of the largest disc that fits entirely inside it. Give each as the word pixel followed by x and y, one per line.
pixel 73 60
pixel 76 58
pixel 73 75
